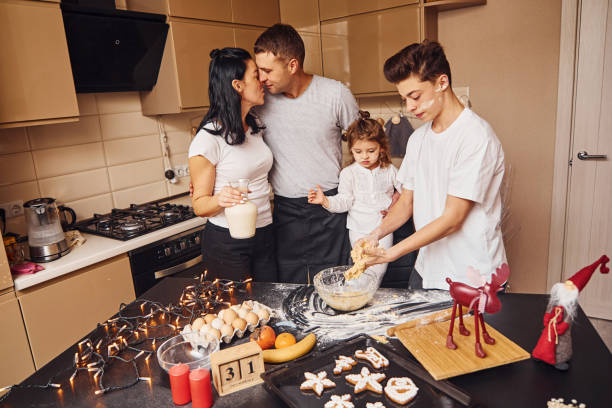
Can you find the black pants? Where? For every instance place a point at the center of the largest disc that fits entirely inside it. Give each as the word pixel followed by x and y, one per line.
pixel 237 259
pixel 308 238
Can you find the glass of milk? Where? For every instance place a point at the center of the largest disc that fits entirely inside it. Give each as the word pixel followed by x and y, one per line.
pixel 242 218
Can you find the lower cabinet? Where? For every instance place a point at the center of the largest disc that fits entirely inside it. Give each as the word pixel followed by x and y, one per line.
pixel 60 312
pixel 15 355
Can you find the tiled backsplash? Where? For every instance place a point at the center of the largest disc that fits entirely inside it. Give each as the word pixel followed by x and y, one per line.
pixel 110 158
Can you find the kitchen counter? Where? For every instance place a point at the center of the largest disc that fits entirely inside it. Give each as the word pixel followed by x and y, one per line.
pixel 97 249
pixel 526 383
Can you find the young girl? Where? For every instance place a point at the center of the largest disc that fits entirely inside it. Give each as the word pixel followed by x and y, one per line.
pixel 367 186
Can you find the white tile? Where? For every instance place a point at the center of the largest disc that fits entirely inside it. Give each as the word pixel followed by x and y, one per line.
pixel 76 186
pixel 86 130
pixel 133 149
pixel 136 174
pixel 181 186
pixel 141 194
pixel 87 104
pixel 13 140
pixel 16 168
pixel 17 225
pixel 22 191
pixel 178 142
pixel 85 208
pixel 67 160
pixel 118 102
pixel 122 125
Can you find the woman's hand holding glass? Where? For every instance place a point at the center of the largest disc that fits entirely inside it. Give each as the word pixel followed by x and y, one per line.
pixel 229 196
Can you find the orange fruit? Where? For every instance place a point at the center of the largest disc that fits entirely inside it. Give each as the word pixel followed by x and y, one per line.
pixel 284 340
pixel 264 336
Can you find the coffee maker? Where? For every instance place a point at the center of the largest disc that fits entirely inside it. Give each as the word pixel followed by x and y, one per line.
pixel 45 234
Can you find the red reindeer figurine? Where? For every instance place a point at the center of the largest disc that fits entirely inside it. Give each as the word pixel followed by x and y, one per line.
pixel 481 299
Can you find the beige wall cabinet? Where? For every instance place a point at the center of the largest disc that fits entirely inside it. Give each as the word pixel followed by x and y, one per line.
pixel 15 355
pixel 303 15
pixel 60 312
pixel 35 74
pixel 6 280
pixel 341 8
pixel 356 47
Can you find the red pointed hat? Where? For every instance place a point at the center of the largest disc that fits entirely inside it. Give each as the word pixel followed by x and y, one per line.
pixel 581 277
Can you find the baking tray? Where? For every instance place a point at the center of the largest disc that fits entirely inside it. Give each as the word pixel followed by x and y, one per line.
pixel 285 381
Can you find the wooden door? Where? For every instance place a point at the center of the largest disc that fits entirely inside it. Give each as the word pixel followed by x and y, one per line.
pixel 589 217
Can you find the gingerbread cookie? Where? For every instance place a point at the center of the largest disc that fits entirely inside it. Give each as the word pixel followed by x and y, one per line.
pixel 338 401
pixel 401 390
pixel 372 356
pixel 366 381
pixel 344 363
pixel 317 382
pixel 376 404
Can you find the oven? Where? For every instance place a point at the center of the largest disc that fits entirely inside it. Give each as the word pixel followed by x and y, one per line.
pixel 177 255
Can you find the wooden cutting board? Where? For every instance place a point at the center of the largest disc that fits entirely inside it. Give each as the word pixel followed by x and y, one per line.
pixel 428 345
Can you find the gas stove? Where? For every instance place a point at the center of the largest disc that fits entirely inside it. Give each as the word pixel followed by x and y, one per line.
pixel 127 223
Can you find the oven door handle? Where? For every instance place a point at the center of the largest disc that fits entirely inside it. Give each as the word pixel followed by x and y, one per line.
pixel 177 268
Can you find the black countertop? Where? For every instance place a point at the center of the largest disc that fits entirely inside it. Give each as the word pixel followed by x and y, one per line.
pixel 524 384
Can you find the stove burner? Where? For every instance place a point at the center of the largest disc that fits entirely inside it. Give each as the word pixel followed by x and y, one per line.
pixel 104 224
pixel 171 215
pixel 132 226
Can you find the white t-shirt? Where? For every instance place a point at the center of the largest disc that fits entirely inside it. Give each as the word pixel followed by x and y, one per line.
pixel 466 161
pixel 304 135
pixel 250 160
pixel 364 194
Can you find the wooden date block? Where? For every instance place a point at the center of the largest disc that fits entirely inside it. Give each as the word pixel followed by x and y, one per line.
pixel 236 368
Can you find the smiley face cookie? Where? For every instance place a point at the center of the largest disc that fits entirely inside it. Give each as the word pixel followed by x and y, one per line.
pixel 401 390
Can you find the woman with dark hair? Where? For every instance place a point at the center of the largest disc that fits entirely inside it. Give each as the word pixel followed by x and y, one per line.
pixel 229 146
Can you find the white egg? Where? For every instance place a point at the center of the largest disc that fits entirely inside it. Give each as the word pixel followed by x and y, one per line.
pixel 197 324
pixel 226 330
pixel 239 323
pixel 210 317
pixel 217 323
pixel 263 314
pixel 204 329
pixel 242 313
pixel 187 329
pixel 252 318
pixel 229 316
pixel 214 332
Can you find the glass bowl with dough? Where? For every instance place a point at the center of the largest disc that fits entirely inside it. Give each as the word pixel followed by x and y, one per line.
pixel 345 295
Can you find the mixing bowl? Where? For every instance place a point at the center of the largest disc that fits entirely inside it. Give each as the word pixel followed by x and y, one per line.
pixel 179 350
pixel 344 295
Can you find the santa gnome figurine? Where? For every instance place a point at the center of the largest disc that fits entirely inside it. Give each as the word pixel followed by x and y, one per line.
pixel 555 344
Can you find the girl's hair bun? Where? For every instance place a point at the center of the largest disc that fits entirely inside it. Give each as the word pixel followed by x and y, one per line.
pixel 364 114
pixel 215 53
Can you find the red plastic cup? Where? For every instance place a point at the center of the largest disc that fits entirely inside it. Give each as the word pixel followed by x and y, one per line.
pixel 179 384
pixel 201 388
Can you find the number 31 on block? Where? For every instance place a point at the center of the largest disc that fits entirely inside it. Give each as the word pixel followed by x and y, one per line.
pixel 237 367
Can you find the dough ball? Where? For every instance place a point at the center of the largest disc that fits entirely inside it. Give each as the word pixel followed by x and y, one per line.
pixel 252 318
pixel 217 323
pixel 229 316
pixel 239 324
pixel 197 324
pixel 209 318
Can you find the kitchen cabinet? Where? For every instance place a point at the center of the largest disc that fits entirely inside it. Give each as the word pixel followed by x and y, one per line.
pixel 262 13
pixel 59 312
pixel 341 8
pixel 35 74
pixel 303 15
pixel 15 354
pixel 6 280
pixel 355 48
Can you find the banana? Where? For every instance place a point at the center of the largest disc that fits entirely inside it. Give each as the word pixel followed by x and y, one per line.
pixel 291 352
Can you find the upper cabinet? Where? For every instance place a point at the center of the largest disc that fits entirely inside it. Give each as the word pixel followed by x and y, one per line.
pixel 262 13
pixel 341 8
pixel 35 73
pixel 303 15
pixel 355 48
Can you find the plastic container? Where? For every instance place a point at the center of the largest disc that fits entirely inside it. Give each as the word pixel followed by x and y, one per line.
pixel 345 295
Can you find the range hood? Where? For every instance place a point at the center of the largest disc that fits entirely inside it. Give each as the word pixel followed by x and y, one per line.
pixel 113 50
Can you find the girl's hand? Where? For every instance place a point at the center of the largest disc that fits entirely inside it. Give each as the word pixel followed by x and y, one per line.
pixel 317 197
pixel 229 197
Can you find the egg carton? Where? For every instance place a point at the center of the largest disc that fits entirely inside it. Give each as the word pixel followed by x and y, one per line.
pixel 198 334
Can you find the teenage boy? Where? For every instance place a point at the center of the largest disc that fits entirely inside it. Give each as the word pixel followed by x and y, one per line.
pixel 451 176
pixel 304 116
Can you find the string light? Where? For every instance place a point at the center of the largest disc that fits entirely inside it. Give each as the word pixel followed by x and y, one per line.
pixel 120 334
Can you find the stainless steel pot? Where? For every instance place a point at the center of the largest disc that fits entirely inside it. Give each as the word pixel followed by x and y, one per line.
pixel 45 234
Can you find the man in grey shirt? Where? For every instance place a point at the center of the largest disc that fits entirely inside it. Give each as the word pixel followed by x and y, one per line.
pixel 304 116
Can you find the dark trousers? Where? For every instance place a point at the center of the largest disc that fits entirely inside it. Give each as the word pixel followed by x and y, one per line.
pixel 237 259
pixel 308 238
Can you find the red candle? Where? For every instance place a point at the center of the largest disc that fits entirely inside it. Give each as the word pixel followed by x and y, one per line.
pixel 201 389
pixel 179 384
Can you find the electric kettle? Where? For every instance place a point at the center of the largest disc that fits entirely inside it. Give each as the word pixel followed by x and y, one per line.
pixel 45 234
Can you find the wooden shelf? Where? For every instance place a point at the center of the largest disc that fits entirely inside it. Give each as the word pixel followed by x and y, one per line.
pixel 444 5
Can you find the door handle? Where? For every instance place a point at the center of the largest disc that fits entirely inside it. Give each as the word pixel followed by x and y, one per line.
pixel 178 268
pixel 583 155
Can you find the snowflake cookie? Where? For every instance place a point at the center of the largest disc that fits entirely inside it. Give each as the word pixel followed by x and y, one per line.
pixel 373 356
pixel 317 382
pixel 344 363
pixel 338 401
pixel 401 390
pixel 376 404
pixel 366 381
